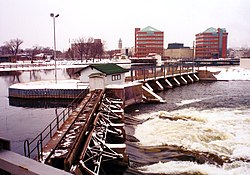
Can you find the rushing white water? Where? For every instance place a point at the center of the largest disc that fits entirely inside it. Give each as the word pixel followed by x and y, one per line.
pixel 219 131
pixel 211 118
pixel 180 167
pixel 223 132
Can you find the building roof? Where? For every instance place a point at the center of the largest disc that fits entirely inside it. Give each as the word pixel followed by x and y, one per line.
pixel 211 30
pixel 149 29
pixel 107 69
pixel 214 30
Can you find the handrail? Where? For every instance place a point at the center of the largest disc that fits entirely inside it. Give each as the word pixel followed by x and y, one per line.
pixel 153 71
pixel 37 142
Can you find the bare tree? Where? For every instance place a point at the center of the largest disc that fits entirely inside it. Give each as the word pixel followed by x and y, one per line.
pixel 4 50
pixel 83 47
pixel 13 45
pixel 69 54
pixel 80 47
pixel 36 50
pixel 96 50
pixel 110 53
pixel 88 48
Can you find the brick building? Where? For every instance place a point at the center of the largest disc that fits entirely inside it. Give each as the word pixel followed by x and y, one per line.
pixel 148 40
pixel 211 43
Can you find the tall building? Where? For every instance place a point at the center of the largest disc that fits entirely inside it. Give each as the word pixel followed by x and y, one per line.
pixel 211 43
pixel 120 44
pixel 148 40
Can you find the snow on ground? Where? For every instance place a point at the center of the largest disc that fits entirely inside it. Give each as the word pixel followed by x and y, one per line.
pixel 230 73
pixel 51 84
pixel 38 65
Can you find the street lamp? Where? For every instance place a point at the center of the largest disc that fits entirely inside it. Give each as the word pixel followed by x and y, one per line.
pixel 54 25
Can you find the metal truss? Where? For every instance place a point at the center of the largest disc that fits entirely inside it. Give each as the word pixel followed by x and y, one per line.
pixel 98 150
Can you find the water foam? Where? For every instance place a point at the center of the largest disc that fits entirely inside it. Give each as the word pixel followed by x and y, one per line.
pixel 184 102
pixel 223 132
pixel 181 167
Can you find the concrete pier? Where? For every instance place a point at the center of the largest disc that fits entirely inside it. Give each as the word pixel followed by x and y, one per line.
pixel 63 89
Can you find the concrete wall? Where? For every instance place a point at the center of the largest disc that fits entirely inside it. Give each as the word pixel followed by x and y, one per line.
pixel 245 63
pixel 13 163
pixel 206 75
pixel 129 94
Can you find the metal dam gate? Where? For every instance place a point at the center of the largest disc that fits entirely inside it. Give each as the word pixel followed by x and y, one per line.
pixel 92 136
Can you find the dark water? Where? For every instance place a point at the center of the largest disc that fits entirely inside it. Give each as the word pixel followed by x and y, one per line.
pixel 24 119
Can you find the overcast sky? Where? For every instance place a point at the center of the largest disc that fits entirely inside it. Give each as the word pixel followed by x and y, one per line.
pixel 110 20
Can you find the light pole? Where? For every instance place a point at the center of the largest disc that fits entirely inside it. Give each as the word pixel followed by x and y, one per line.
pixel 54 26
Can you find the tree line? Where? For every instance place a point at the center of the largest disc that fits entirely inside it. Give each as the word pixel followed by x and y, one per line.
pixel 84 48
pixel 12 46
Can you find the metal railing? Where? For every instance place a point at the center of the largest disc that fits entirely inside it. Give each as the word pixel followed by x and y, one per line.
pixel 37 143
pixel 142 73
pixel 16 66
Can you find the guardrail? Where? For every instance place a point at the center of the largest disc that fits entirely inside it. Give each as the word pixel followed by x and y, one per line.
pixel 14 66
pixel 142 72
pixel 36 144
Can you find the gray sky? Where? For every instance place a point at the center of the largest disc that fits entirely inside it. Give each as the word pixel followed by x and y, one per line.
pixel 110 20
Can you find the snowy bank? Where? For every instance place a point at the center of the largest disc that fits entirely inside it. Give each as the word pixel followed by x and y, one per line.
pixel 230 73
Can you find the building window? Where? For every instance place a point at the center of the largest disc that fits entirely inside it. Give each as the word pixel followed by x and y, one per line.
pixel 116 77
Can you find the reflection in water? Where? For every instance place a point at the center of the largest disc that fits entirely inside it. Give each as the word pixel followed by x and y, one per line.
pixel 34 76
pixel 12 77
pixel 39 103
pixel 24 119
pixel 9 73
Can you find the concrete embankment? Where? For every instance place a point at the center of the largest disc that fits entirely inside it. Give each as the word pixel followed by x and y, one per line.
pixel 205 75
pixel 63 89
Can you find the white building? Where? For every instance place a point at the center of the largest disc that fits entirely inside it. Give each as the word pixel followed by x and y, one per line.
pixel 101 75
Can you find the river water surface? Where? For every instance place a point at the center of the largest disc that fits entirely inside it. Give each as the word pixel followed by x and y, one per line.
pixel 25 119
pixel 203 128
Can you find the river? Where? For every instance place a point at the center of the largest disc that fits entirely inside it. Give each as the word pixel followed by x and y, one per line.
pixel 203 128
pixel 25 119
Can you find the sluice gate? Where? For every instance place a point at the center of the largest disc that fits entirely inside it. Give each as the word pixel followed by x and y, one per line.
pixel 107 141
pixel 151 86
pixel 162 77
pixel 91 138
pixel 70 145
pixel 160 83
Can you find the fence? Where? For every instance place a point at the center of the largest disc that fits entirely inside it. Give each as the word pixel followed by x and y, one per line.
pixel 45 93
pixel 139 72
